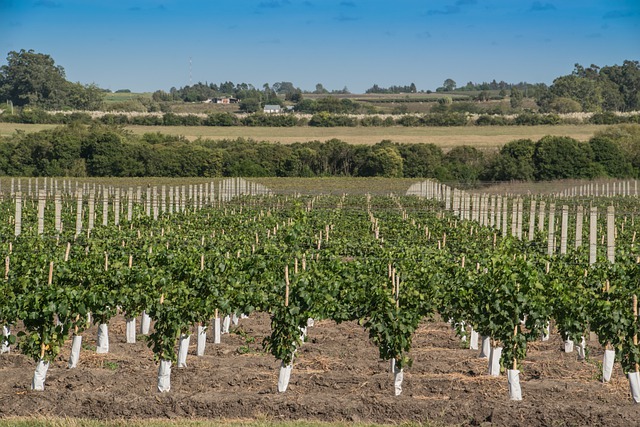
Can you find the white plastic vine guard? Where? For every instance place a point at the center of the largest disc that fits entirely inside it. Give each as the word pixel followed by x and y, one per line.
pixel 568 346
pixel 102 345
pixel 40 375
pixel 513 376
pixel 283 378
pixel 581 349
pixel 607 364
pixel 216 330
pixel 398 377
pixel 485 349
pixel 183 348
pixel 202 340
pixel 76 345
pixel 225 324
pixel 546 332
pixel 473 340
pixel 494 361
pixel 131 330
pixel 634 384
pixel 5 348
pixel 164 376
pixel 145 323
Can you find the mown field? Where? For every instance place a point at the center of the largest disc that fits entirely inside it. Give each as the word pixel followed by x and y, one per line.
pixel 483 137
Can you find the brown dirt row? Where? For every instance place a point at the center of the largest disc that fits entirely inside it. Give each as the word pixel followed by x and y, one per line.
pixel 337 376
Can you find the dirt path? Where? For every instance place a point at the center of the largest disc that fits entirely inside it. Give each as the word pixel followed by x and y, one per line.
pixel 337 377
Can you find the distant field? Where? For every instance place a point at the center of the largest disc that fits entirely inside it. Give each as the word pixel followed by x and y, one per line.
pixel 120 97
pixel 489 137
pixel 484 137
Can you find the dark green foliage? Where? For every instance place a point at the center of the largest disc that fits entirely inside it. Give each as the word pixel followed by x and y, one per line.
pixel 110 150
pixel 421 160
pixel 445 119
pixel 533 119
pixel 33 79
pixel 610 88
pixel 465 164
pixel 610 156
pixel 558 157
pixel 515 162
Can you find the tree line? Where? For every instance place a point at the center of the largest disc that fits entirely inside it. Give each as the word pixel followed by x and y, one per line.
pixel 33 79
pixel 102 150
pixel 438 117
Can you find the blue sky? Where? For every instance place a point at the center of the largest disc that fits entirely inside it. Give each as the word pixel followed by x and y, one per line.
pixel 146 45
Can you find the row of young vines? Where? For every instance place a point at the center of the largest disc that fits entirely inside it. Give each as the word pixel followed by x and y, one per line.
pixel 387 262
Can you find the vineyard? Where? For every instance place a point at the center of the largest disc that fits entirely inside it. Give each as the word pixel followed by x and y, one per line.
pixel 224 299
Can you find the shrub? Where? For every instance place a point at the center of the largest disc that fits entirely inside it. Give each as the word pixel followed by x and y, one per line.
pixel 324 119
pixel 371 121
pixel 445 119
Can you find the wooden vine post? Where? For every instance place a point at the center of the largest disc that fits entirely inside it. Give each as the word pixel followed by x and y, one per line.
pixel 635 320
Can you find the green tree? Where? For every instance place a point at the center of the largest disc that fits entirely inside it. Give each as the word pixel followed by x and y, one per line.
pixel 483 96
pixel 32 78
pixel 449 85
pixel 465 164
pixel 83 97
pixel 561 157
pixel 515 99
pixel 320 89
pixel 295 96
pixel 383 160
pixel 626 78
pixel 564 105
pixel 104 151
pixel 586 91
pixel 514 162
pixel 250 105
pixel 611 157
pixel 421 160
pixel 627 137
pixel 283 87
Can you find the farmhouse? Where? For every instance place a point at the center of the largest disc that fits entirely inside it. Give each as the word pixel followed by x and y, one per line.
pixel 272 109
pixel 224 100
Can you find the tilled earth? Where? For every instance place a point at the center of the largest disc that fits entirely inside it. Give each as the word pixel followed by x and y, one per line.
pixel 337 376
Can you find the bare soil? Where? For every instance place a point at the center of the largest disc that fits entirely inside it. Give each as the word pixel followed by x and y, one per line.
pixel 337 376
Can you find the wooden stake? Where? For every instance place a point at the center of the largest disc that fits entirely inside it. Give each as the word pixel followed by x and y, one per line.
pixel 286 281
pixel 635 319
pixel 515 361
pixel 51 272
